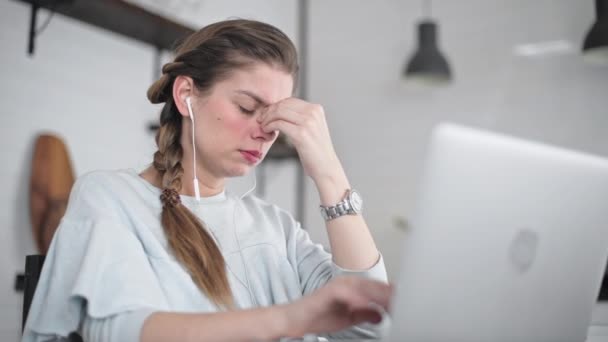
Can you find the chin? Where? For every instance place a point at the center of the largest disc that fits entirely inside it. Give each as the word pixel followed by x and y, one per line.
pixel 238 171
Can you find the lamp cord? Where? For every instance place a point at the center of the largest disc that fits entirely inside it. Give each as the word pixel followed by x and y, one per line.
pixel 427 10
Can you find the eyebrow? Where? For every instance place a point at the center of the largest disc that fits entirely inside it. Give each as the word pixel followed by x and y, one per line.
pixel 253 96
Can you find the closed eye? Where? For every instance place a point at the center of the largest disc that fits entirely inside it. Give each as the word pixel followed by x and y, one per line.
pixel 246 111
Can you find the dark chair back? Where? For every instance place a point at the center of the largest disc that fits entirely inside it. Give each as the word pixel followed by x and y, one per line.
pixel 33 267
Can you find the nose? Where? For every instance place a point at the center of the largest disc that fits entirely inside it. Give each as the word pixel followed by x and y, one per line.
pixel 259 134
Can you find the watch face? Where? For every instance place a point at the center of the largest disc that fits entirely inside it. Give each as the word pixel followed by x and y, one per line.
pixel 356 201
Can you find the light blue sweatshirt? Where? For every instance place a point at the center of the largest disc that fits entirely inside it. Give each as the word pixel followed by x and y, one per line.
pixel 109 266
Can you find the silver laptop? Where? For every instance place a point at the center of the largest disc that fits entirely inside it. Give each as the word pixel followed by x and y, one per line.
pixel 508 243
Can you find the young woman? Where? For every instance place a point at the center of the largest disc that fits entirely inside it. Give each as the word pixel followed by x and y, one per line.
pixel 169 255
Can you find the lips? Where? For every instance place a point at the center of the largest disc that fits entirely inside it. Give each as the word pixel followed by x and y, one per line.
pixel 254 153
pixel 251 156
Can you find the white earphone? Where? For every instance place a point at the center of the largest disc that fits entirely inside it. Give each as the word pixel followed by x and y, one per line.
pixel 197 192
pixel 198 198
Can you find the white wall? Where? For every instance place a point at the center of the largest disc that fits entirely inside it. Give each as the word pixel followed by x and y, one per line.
pixel 87 85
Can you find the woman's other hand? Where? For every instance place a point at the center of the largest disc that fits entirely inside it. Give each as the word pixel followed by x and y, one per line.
pixel 345 301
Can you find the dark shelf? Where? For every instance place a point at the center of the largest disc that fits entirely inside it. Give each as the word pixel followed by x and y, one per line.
pixel 121 17
pixel 603 296
pixel 281 150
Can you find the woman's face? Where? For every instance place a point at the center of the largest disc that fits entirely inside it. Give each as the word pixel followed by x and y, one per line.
pixel 229 140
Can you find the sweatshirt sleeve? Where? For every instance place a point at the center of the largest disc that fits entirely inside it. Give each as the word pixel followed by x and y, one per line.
pixel 93 269
pixel 315 268
pixel 122 327
pixel 96 267
pixel 315 265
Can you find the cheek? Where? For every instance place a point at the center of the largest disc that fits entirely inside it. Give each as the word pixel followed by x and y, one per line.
pixel 225 125
pixel 224 121
pixel 235 126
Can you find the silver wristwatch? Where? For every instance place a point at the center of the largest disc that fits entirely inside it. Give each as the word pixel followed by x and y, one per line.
pixel 350 205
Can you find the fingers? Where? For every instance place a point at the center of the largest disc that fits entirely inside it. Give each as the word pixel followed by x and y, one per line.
pixel 368 315
pixel 280 111
pixel 288 128
pixel 293 110
pixel 362 291
pixel 377 292
pixel 365 299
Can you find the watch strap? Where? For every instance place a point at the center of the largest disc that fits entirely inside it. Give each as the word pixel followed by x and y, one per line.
pixel 340 209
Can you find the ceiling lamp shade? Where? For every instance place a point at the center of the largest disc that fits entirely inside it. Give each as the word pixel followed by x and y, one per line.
pixel 595 46
pixel 428 65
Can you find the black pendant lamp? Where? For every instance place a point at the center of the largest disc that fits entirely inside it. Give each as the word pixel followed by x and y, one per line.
pixel 595 46
pixel 428 65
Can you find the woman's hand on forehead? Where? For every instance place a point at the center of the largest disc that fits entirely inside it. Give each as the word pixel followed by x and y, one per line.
pixel 305 126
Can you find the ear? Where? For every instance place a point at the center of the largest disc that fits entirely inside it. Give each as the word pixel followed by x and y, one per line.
pixel 183 87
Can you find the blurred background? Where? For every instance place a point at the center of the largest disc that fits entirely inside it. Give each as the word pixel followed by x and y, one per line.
pixel 515 66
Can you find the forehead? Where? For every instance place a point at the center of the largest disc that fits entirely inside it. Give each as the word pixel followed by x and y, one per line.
pixel 269 83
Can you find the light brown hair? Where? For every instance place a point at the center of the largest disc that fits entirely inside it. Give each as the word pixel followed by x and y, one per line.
pixel 207 56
